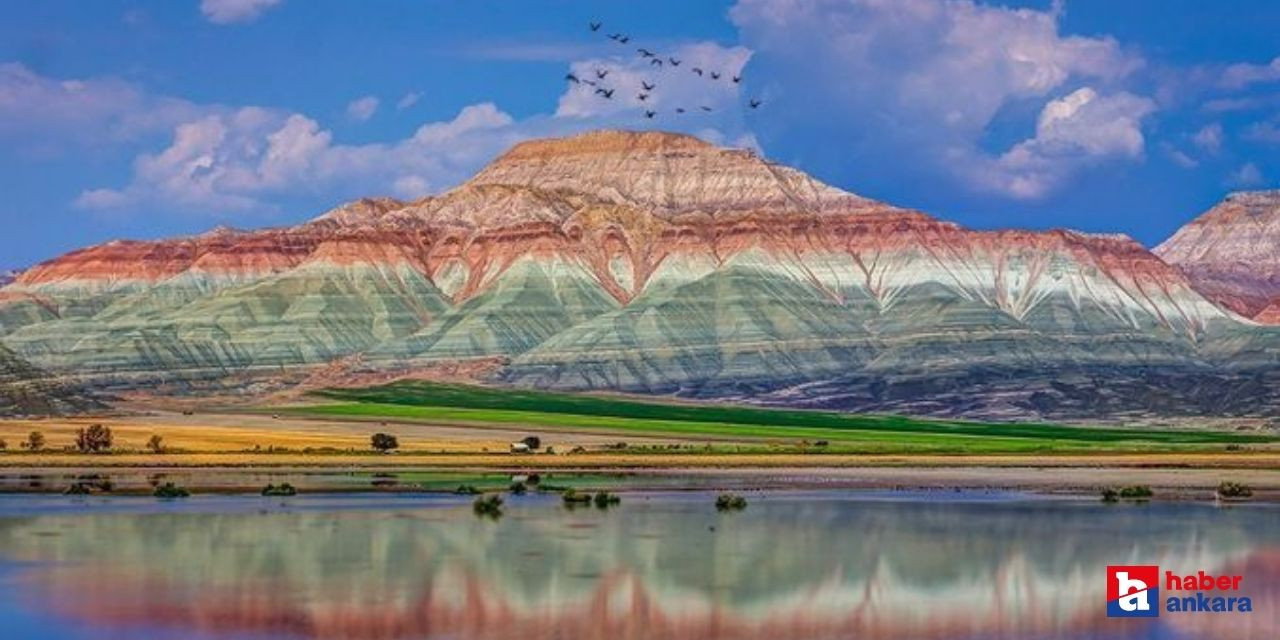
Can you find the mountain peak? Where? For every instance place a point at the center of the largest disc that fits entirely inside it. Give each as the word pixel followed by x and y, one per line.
pixel 604 141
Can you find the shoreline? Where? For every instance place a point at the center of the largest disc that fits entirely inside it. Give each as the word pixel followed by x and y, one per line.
pixel 1168 483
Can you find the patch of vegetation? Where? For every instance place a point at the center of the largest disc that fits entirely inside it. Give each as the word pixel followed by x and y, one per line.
pixel 1136 492
pixel 518 488
pixel 572 498
pixel 1110 495
pixel 170 490
pixel 78 489
pixel 155 444
pixel 730 502
pixel 34 442
pixel 383 442
pixel 837 432
pixel 488 506
pixel 284 490
pixel 1228 490
pixel 604 499
pixel 96 438
pixel 467 490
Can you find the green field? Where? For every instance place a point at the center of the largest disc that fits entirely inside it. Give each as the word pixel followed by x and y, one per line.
pixel 766 428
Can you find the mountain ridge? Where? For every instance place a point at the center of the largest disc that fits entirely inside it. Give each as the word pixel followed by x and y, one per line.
pixel 656 263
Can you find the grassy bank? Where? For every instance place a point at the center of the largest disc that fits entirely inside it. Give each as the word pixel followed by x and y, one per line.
pixel 836 432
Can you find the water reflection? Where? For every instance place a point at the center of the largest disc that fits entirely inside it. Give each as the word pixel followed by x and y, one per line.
pixel 666 566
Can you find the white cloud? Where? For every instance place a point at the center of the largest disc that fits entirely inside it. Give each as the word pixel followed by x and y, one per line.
pixel 1248 175
pixel 361 109
pixel 48 115
pixel 1239 76
pixel 1179 157
pixel 1080 128
pixel 674 86
pixel 1266 131
pixel 408 100
pixel 243 160
pixel 1209 138
pixel 231 11
pixel 918 84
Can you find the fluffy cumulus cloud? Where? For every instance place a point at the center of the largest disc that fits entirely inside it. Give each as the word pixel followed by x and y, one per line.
pixel 232 11
pixel 1079 128
pixel 920 84
pixel 361 109
pixel 236 162
pixel 226 161
pixel 1248 175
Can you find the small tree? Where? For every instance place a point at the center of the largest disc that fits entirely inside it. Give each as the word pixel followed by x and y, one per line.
pixel 3 445
pixel 533 442
pixel 34 441
pixel 155 444
pixel 384 442
pixel 94 439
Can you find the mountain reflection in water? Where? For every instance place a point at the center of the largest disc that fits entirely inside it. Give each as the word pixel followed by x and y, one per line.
pixel 661 566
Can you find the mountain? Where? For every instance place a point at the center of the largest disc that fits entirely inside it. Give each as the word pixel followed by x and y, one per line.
pixel 1232 254
pixel 658 263
pixel 25 390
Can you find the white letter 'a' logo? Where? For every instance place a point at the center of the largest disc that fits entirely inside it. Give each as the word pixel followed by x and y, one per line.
pixel 1135 601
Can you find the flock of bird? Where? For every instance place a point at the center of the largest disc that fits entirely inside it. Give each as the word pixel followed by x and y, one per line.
pixel 646 87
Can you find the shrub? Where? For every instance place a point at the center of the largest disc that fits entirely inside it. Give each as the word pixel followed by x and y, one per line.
pixel 3 445
pixel 1136 492
pixel 155 444
pixel 34 442
pixel 604 500
pixel 466 490
pixel 572 498
pixel 533 442
pixel 490 506
pixel 94 439
pixel 730 502
pixel 518 488
pixel 1110 495
pixel 384 442
pixel 1233 490
pixel 78 489
pixel 170 490
pixel 285 489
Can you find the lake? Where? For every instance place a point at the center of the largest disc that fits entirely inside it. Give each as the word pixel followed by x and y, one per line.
pixel 827 564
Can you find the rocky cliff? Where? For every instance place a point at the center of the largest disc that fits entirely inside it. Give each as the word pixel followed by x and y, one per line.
pixel 658 263
pixel 1232 253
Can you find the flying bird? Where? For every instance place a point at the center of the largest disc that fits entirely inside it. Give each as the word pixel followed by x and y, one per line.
pixel 595 26
pixel 572 78
pixel 624 39
pixel 601 73
pixel 697 71
pixel 705 108
pixel 642 97
pixel 644 53
pixel 674 62
pixel 647 86
pixel 650 114
pixel 754 103
pixel 715 75
pixel 679 110
pixel 615 36
pixel 657 61
pixel 607 94
pixel 590 82
pixel 737 79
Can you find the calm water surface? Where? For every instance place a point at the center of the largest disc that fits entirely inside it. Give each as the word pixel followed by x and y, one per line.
pixel 661 565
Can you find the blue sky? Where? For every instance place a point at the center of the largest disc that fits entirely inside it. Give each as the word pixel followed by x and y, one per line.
pixel 148 119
